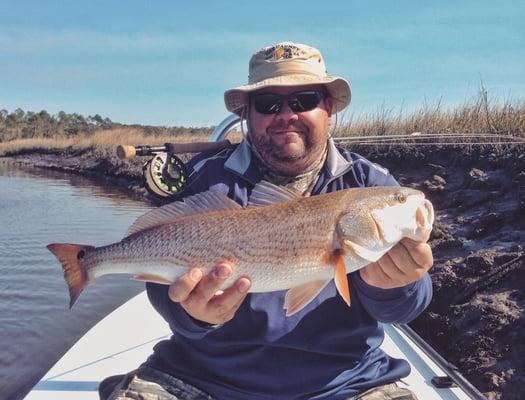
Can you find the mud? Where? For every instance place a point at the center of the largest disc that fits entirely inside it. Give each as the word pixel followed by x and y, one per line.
pixel 476 319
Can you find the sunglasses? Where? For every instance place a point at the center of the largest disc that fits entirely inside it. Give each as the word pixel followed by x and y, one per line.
pixel 272 103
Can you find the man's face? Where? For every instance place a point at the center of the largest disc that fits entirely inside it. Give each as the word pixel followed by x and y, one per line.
pixel 290 142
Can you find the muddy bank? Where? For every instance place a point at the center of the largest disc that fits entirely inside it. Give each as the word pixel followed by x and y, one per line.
pixel 476 319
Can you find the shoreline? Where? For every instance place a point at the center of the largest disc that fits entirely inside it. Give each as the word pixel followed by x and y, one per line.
pixel 64 161
pixel 479 294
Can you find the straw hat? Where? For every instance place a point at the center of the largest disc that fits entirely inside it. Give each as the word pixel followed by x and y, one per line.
pixel 288 64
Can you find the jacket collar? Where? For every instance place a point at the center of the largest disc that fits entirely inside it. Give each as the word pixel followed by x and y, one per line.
pixel 240 162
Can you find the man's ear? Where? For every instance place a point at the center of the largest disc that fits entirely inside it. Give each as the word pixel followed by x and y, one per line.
pixel 328 105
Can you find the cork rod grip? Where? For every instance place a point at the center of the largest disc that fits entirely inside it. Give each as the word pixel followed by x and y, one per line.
pixel 127 151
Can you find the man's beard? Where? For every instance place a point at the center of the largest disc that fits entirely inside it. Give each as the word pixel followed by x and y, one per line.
pixel 271 151
pixel 277 159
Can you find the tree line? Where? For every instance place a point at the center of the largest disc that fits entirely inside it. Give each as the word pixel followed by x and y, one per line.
pixel 20 124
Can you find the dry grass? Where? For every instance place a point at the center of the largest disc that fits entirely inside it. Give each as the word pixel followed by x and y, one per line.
pixel 477 115
pixel 101 141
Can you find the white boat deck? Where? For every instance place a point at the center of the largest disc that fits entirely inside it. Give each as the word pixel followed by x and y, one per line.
pixel 103 352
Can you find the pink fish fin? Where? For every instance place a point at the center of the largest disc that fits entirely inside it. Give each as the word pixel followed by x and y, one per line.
pixel 266 193
pixel 340 277
pixel 298 297
pixel 152 278
pixel 170 213
pixel 75 274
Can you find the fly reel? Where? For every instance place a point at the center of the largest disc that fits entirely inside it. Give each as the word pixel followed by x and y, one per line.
pixel 164 175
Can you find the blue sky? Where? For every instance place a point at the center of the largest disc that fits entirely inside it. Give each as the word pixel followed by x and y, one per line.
pixel 169 62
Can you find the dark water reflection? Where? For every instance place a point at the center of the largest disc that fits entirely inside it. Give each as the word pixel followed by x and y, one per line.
pixel 39 207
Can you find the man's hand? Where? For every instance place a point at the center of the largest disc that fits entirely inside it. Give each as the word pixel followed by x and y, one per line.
pixel 405 263
pixel 201 297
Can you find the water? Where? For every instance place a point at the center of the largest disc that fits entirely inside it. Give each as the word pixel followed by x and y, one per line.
pixel 36 325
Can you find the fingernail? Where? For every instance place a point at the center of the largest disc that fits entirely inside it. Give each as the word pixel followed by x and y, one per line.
pixel 196 274
pixel 243 285
pixel 222 272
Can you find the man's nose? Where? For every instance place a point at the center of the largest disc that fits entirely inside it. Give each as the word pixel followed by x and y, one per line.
pixel 286 112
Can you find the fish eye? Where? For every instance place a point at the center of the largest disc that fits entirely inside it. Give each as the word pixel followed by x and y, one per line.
pixel 401 198
pixel 81 254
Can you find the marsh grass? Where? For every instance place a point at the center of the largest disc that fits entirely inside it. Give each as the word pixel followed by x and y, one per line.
pixel 478 115
pixel 100 140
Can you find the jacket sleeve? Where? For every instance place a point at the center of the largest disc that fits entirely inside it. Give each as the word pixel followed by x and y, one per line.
pixel 398 305
pixel 376 175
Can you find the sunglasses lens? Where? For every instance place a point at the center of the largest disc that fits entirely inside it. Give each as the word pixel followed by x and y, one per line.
pixel 267 103
pixel 271 103
pixel 305 101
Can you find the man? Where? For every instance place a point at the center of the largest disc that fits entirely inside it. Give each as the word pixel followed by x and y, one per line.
pixel 230 345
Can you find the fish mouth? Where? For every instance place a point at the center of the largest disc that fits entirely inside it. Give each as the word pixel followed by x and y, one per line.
pixel 424 219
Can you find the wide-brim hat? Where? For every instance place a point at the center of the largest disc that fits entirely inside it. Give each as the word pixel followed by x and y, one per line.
pixel 288 64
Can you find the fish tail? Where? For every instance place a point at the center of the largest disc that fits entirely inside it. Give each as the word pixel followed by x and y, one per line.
pixel 75 274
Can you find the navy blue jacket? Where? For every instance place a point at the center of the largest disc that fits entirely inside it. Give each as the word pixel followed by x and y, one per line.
pixel 327 350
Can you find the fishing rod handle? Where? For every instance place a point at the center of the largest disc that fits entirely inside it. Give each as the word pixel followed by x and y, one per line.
pixel 196 147
pixel 127 151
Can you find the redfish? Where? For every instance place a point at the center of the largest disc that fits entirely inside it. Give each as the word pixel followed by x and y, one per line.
pixel 279 241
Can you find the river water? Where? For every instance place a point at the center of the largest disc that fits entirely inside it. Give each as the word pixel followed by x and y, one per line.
pixel 36 325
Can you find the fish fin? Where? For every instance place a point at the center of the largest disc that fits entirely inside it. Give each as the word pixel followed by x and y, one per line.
pixel 363 252
pixel 298 297
pixel 75 274
pixel 196 204
pixel 266 193
pixel 341 279
pixel 152 278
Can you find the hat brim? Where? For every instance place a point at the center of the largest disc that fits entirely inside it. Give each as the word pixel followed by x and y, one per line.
pixel 339 89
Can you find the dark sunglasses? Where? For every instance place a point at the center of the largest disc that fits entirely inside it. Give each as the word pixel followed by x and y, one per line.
pixel 272 103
